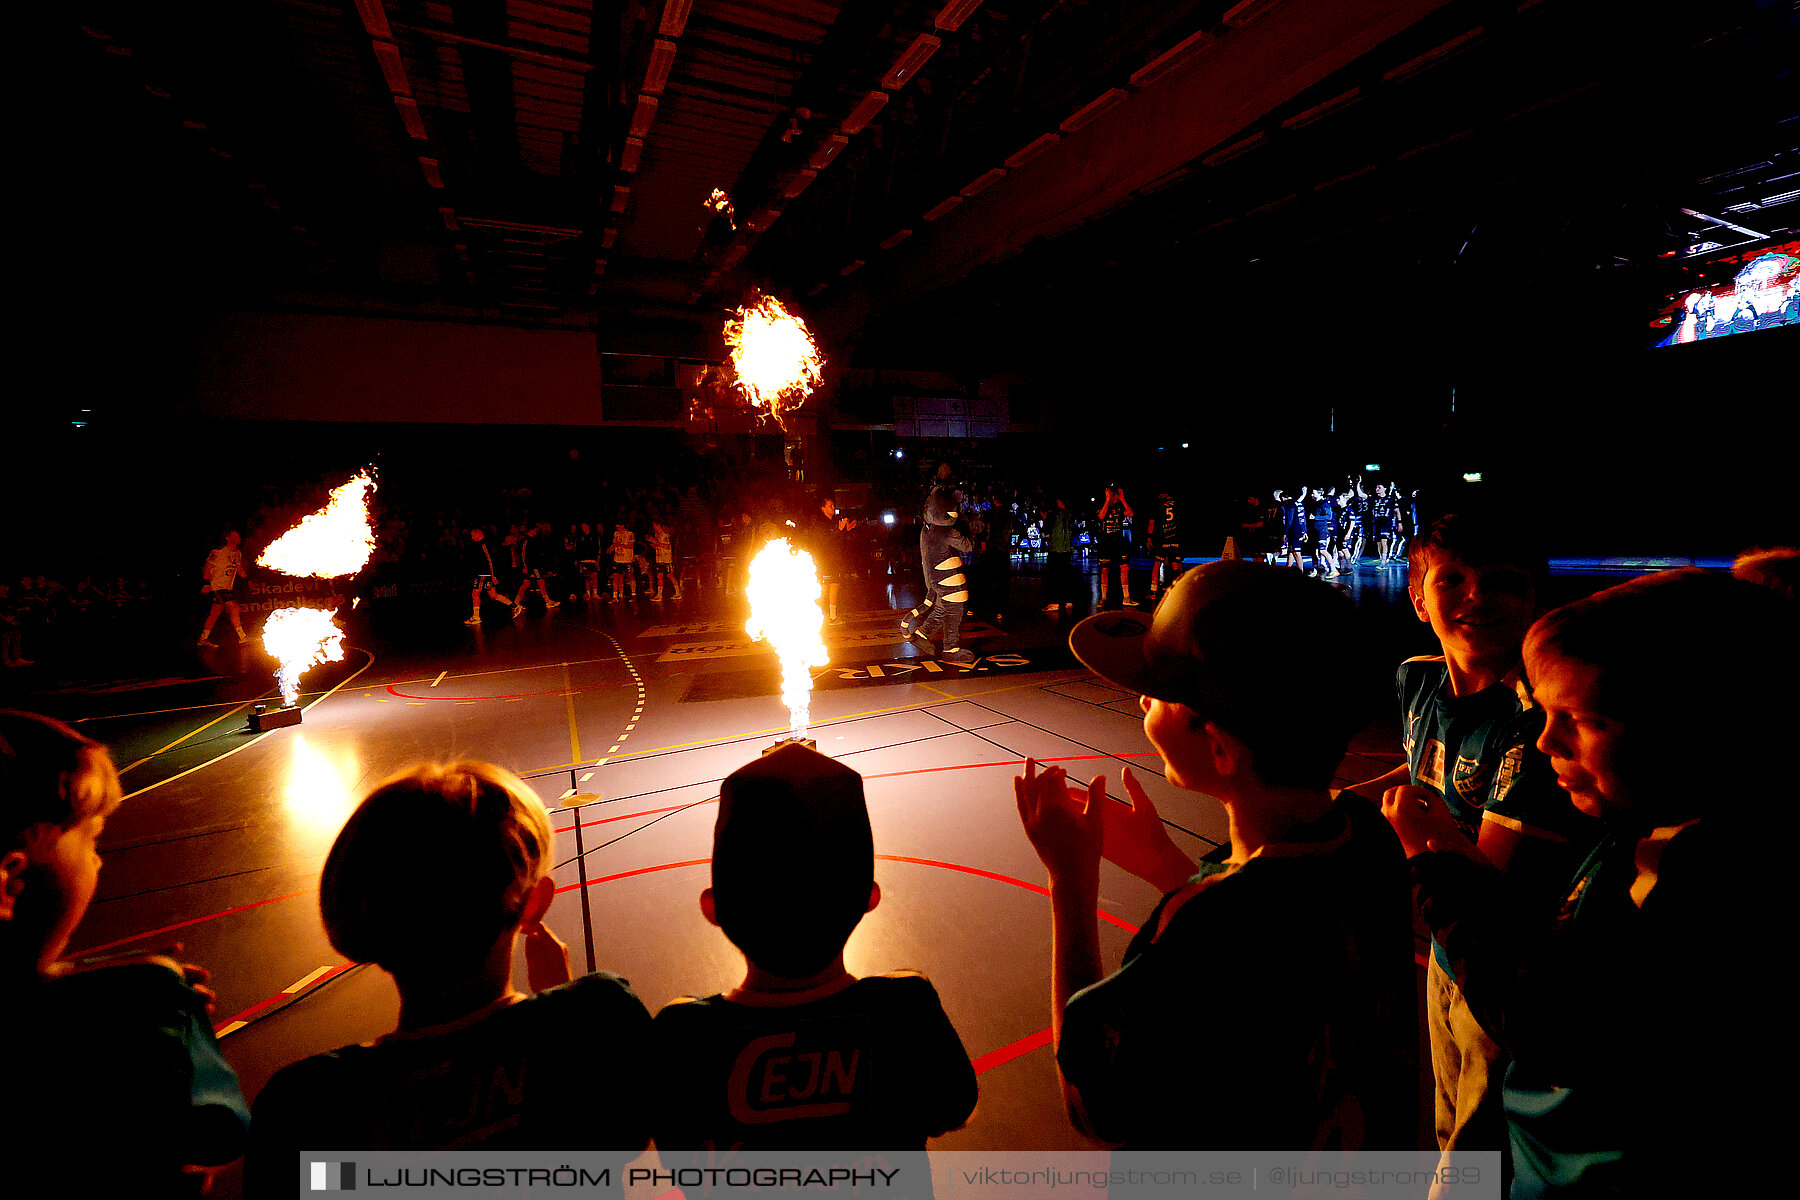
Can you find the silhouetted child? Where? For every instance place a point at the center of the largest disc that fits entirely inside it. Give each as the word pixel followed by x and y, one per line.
pixel 434 878
pixel 1267 1001
pixel 802 1055
pixel 120 1057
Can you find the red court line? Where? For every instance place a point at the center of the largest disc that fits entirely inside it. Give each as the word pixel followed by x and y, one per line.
pixel 150 933
pixel 1040 889
pixel 993 1058
pixel 647 812
pixel 1011 762
pixel 261 1005
pixel 515 696
pixel 692 862
pixel 1005 1054
pixel 1004 762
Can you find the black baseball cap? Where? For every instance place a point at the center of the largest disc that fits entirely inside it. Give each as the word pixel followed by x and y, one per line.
pixel 791 804
pixel 1229 638
pixel 793 859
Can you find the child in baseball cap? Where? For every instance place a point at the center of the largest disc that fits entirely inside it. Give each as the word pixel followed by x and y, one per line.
pixel 1201 1039
pixel 802 1055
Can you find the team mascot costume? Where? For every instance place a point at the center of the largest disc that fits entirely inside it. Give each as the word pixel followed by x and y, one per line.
pixel 943 551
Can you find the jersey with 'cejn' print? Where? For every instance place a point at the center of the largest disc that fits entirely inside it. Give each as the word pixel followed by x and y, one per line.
pixel 871 1064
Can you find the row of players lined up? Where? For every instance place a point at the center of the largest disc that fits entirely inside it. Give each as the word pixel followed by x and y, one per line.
pixel 1589 889
pixel 655 550
pixel 1335 527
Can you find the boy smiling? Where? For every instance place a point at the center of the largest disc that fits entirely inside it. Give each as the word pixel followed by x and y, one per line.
pixel 1638 1063
pixel 1469 737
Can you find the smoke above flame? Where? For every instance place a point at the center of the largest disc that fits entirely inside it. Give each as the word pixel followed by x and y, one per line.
pixel 336 540
pixel 784 611
pixel 299 638
pixel 777 363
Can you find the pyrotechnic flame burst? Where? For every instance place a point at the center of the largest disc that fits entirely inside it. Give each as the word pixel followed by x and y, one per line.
pixel 777 363
pixel 784 611
pixel 298 638
pixel 720 203
pixel 336 540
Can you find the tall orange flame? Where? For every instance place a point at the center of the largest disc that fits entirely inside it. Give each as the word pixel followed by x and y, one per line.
pixel 336 540
pixel 298 638
pixel 784 611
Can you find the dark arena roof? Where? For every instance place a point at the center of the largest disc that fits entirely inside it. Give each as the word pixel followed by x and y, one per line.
pixel 1319 230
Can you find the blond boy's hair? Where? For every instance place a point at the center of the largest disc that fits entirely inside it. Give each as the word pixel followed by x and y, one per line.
pixel 50 775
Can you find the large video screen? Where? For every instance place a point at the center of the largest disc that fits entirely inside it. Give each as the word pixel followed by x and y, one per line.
pixel 1759 289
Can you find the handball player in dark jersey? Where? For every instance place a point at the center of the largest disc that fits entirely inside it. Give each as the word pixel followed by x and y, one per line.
pixel 1353 522
pixel 1113 548
pixel 1321 518
pixel 1293 526
pixel 1165 544
pixel 1381 516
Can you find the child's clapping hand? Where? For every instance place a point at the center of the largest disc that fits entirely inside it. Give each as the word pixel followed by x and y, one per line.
pixel 1063 826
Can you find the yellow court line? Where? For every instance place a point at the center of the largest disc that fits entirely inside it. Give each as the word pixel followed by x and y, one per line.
pixel 184 737
pixel 301 983
pixel 259 737
pixel 580 662
pixel 159 712
pixel 209 762
pixel 855 716
pixel 569 706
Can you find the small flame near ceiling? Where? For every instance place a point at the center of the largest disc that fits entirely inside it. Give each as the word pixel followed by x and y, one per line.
pixel 719 204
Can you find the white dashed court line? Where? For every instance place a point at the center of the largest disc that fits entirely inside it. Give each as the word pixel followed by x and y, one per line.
pixel 637 712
